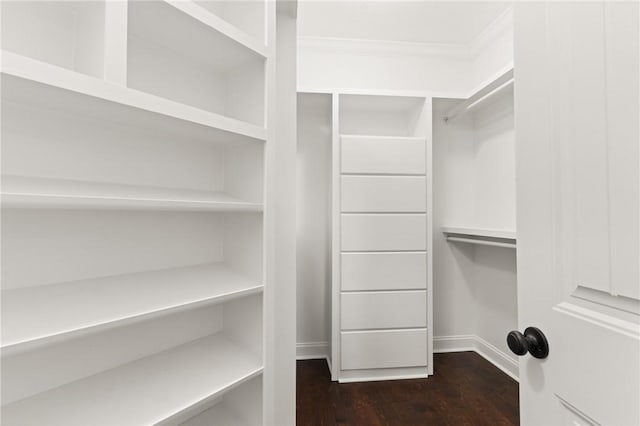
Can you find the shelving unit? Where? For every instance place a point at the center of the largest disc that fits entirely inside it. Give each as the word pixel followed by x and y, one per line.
pixel 28 192
pixel 475 247
pixel 62 33
pixel 487 237
pixel 226 78
pixel 31 82
pixel 135 240
pixel 381 233
pixel 182 378
pixel 78 307
pixel 231 410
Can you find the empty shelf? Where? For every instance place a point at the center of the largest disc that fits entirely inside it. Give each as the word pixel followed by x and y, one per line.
pixel 488 237
pixel 32 82
pixel 39 315
pixel 29 192
pixel 221 26
pixel 159 388
pixel 218 415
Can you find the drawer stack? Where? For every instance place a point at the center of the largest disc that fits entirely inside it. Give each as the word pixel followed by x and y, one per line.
pixel 383 257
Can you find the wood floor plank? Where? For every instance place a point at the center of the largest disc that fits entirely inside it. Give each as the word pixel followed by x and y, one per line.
pixel 465 390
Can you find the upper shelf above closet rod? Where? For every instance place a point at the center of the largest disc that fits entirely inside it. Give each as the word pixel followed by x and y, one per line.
pixel 490 90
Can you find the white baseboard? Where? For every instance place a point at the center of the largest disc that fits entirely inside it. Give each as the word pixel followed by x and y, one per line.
pixel 496 357
pixel 463 343
pixel 312 350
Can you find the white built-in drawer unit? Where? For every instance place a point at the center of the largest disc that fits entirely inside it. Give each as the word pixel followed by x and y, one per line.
pixel 383 271
pixel 383 349
pixel 380 232
pixel 384 194
pixel 383 155
pixel 381 238
pixel 384 309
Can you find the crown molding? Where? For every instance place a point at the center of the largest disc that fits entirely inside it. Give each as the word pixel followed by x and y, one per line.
pixel 383 47
pixel 496 29
pixel 501 25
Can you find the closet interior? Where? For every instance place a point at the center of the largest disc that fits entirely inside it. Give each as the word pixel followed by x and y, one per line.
pixel 474 218
pixel 421 195
pixel 371 172
pixel 133 193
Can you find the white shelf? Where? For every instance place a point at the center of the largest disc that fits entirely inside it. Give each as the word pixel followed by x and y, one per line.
pixel 32 82
pixel 38 315
pixel 29 192
pixel 490 237
pixel 218 415
pixel 160 388
pixel 217 73
pixel 402 138
pixel 220 25
pixel 497 86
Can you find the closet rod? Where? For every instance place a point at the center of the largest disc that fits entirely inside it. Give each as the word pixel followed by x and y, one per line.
pixel 496 86
pixel 481 242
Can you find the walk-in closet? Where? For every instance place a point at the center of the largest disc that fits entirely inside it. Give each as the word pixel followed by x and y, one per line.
pixel 280 212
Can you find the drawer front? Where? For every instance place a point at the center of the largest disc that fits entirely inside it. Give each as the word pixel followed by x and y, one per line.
pixel 384 194
pixel 383 271
pixel 383 349
pixel 382 155
pixel 383 232
pixel 387 309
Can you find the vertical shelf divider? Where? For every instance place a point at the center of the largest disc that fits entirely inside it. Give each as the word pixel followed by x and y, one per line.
pixel 115 42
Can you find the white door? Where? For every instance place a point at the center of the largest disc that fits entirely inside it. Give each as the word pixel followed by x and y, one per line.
pixel 577 113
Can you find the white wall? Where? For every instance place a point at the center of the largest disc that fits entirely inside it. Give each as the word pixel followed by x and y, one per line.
pixel 313 195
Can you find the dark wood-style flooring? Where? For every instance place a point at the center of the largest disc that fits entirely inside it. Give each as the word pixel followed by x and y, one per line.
pixel 465 390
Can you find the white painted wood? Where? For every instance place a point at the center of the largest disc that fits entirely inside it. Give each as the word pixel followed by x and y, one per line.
pixel 247 16
pixel 218 415
pixel 241 406
pixel 494 88
pixel 167 63
pixel 379 310
pixel 143 212
pixel 383 232
pixel 380 199
pixel 381 115
pixel 113 397
pixel 336 230
pixel 26 192
pixel 61 33
pixel 115 42
pixel 383 349
pixel 481 242
pixel 486 237
pixel 579 288
pixel 384 194
pixel 369 154
pixel 79 307
pixel 30 81
pixel 383 271
pixel 476 232
pixel 200 12
pixel 379 374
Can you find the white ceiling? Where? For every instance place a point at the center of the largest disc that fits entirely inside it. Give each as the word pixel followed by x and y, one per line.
pixel 411 21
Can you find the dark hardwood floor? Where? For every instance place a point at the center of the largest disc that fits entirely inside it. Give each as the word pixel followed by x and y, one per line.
pixel 465 390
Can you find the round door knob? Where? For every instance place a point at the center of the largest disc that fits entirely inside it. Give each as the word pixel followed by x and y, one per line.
pixel 533 341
